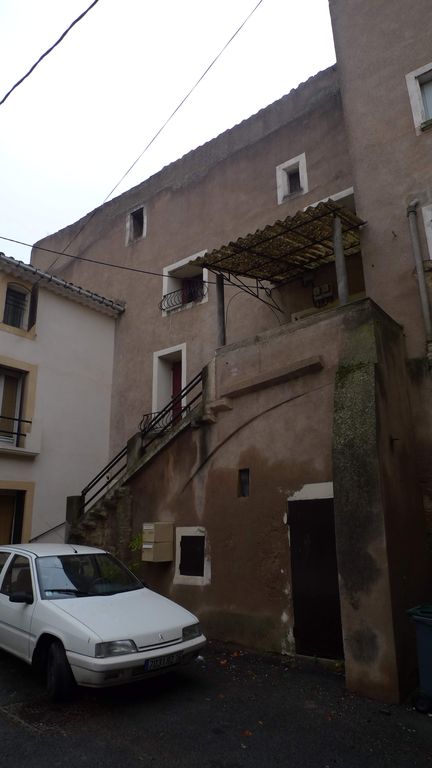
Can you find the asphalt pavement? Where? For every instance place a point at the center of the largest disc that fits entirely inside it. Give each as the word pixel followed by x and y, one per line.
pixel 230 709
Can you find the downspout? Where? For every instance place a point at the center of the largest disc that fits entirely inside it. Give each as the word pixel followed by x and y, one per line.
pixel 424 298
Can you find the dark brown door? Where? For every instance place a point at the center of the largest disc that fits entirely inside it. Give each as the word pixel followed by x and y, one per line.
pixel 176 388
pixel 317 619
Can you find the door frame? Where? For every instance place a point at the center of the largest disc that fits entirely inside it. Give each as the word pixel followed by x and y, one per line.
pixel 311 492
pixel 161 394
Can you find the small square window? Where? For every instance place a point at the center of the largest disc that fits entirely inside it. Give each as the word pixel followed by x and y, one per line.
pixel 136 227
pixel 291 178
pixel 294 181
pixel 243 483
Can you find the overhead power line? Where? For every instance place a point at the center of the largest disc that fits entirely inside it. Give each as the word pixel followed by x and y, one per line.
pixel 81 16
pixel 164 125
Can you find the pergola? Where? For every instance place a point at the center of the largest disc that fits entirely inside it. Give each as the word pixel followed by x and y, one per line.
pixel 285 251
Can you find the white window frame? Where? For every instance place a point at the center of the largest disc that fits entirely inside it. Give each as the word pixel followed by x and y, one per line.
pixel 198 581
pixel 159 399
pixel 171 281
pixel 414 81
pixel 282 178
pixel 129 225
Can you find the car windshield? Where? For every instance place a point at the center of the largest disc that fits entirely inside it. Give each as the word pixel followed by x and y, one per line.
pixel 66 576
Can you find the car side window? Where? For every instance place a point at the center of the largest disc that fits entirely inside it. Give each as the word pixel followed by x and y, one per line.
pixel 18 577
pixel 3 558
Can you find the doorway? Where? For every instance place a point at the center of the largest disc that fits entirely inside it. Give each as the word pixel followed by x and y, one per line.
pixel 315 587
pixel 169 378
pixel 11 516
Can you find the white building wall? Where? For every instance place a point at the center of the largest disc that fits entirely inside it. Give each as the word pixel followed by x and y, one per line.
pixel 73 349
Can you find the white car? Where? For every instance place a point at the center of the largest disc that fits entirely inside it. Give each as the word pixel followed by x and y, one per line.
pixel 81 617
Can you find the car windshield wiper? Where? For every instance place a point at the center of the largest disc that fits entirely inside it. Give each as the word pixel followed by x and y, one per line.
pixel 63 591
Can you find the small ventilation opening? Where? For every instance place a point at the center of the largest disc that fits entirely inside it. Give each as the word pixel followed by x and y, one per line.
pixel 243 483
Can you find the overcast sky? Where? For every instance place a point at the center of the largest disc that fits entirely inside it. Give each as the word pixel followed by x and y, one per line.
pixel 72 129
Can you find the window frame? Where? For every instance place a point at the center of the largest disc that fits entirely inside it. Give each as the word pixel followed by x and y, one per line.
pixel 283 172
pixel 414 81
pixel 179 578
pixel 173 276
pixel 130 225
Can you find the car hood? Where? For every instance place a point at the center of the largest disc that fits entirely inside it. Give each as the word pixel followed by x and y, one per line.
pixel 142 616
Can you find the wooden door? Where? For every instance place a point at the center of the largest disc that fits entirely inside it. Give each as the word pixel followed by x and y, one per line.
pixel 176 388
pixel 316 602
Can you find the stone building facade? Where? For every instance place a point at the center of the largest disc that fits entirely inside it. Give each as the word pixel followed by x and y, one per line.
pixel 299 489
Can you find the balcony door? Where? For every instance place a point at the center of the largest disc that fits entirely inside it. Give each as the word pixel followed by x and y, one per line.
pixel 10 404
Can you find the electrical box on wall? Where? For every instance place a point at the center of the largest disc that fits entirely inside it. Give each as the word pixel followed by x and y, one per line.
pixel 157 546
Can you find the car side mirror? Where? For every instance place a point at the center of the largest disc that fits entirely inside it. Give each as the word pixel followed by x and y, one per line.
pixel 21 597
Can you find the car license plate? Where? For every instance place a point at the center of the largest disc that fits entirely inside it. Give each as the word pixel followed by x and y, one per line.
pixel 162 661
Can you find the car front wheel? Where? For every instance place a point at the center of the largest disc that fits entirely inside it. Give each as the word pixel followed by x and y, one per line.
pixel 60 681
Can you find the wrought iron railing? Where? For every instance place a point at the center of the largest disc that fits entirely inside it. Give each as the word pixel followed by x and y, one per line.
pixel 174 411
pixel 191 291
pixel 11 432
pixel 152 426
pixel 104 479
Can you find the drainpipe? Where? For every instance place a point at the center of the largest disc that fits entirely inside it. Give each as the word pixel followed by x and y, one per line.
pixel 221 310
pixel 415 242
pixel 341 271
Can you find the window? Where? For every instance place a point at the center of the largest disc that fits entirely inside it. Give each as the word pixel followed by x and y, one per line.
pixel 192 557
pixel 20 306
pixel 419 84
pixel 291 178
pixel 184 285
pixel 136 225
pixel 426 92
pixel 243 483
pixel 11 390
pixel 18 577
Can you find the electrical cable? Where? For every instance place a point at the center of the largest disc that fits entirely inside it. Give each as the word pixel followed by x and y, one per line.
pixel 157 134
pixel 81 16
pixel 102 263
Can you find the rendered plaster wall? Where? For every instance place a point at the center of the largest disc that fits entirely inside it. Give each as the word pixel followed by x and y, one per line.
pixel 377 43
pixel 72 351
pixel 380 532
pixel 282 432
pixel 220 191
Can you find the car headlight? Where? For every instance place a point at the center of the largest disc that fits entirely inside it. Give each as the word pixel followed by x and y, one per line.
pixel 194 630
pixel 115 648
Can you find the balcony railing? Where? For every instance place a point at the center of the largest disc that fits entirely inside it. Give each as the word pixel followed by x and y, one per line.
pixel 11 430
pixel 191 291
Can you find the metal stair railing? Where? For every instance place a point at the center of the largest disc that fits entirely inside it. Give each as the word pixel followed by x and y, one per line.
pixel 104 479
pixel 152 426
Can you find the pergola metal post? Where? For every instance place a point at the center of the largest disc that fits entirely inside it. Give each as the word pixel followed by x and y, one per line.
pixel 341 271
pixel 221 310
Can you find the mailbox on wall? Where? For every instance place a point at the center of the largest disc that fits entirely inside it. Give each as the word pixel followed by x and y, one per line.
pixel 157 542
